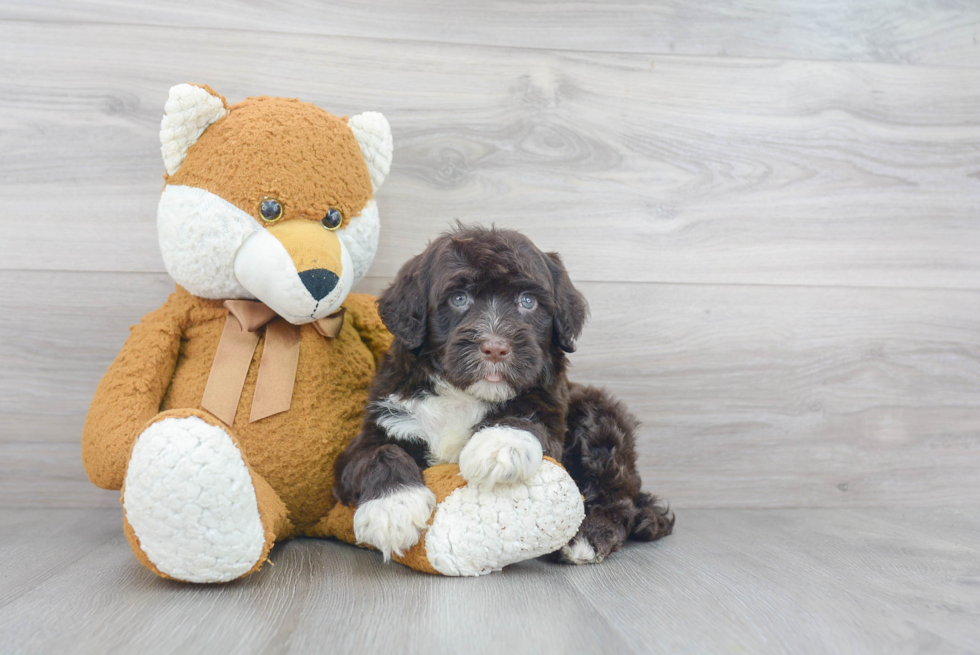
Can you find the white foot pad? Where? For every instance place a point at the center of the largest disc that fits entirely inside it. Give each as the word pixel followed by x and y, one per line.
pixel 475 531
pixel 189 498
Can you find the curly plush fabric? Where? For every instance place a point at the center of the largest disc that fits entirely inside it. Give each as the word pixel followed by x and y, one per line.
pixel 374 135
pixel 189 111
pixel 310 161
pixel 165 364
pixel 541 516
pixel 477 531
pixel 190 497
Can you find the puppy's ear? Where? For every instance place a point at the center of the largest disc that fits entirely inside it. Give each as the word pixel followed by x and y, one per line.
pixel 403 306
pixel 571 309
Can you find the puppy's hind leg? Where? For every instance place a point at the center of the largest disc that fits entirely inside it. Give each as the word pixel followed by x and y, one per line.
pixel 653 518
pixel 600 455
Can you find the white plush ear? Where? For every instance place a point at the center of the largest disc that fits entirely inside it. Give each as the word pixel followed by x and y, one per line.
pixel 373 134
pixel 189 111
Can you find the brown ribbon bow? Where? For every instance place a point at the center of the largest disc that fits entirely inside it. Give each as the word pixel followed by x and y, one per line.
pixel 277 370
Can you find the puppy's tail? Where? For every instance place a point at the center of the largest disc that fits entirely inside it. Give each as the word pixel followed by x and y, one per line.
pixel 653 518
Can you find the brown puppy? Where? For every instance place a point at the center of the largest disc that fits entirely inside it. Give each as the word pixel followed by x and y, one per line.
pixel 482 321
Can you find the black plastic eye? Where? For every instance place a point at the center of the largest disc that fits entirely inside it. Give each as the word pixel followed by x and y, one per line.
pixel 270 210
pixel 528 301
pixel 332 220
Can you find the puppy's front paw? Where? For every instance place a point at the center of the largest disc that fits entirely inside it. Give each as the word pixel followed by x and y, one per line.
pixel 393 523
pixel 500 455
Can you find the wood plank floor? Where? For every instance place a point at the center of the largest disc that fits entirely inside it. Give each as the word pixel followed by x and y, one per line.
pixel 934 32
pixel 691 169
pixel 755 581
pixel 771 206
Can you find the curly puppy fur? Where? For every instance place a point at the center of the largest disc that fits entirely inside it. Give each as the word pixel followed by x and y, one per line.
pixel 482 321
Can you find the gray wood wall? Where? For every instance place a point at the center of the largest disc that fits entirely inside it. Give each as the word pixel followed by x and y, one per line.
pixel 773 210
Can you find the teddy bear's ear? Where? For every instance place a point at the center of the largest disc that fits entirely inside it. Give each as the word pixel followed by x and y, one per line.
pixel 189 111
pixel 373 134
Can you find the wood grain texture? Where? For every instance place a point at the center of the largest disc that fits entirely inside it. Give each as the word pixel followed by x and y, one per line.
pixel 658 169
pixel 935 32
pixel 803 581
pixel 44 474
pixel 772 208
pixel 38 545
pixel 769 581
pixel 750 396
pixel 794 396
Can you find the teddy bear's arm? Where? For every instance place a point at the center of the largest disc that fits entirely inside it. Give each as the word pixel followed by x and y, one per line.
pixel 363 314
pixel 129 395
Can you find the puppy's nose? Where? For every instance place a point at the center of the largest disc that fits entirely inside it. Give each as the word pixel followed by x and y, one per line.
pixel 495 349
pixel 319 282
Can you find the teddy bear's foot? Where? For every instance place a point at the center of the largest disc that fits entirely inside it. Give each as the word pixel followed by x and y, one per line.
pixel 192 505
pixel 476 530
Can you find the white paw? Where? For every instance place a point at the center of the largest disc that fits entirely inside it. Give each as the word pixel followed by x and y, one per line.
pixel 392 524
pixel 189 498
pixel 500 455
pixel 579 551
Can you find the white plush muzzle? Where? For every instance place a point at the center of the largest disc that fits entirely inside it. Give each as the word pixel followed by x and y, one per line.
pixel 263 266
pixel 215 250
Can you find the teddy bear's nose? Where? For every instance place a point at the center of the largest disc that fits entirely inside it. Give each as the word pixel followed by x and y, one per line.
pixel 319 282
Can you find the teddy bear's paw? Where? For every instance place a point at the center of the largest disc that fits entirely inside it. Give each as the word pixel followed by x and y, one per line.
pixel 477 530
pixel 500 455
pixel 393 523
pixel 190 500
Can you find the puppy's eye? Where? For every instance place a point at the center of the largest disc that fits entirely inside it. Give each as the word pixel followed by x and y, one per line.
pixel 332 220
pixel 270 210
pixel 527 301
pixel 459 299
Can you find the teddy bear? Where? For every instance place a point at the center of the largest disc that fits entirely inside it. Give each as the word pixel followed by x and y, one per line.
pixel 221 418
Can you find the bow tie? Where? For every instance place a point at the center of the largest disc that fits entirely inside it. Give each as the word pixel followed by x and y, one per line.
pixel 277 370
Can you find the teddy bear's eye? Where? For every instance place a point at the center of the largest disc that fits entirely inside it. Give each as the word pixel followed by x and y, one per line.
pixel 270 210
pixel 332 220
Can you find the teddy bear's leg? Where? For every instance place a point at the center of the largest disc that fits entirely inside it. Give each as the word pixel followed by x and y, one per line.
pixel 194 510
pixel 477 530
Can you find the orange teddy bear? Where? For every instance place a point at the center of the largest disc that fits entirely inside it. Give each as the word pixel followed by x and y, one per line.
pixel 221 418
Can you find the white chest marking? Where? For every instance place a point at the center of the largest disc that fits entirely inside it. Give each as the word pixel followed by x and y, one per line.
pixel 443 420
